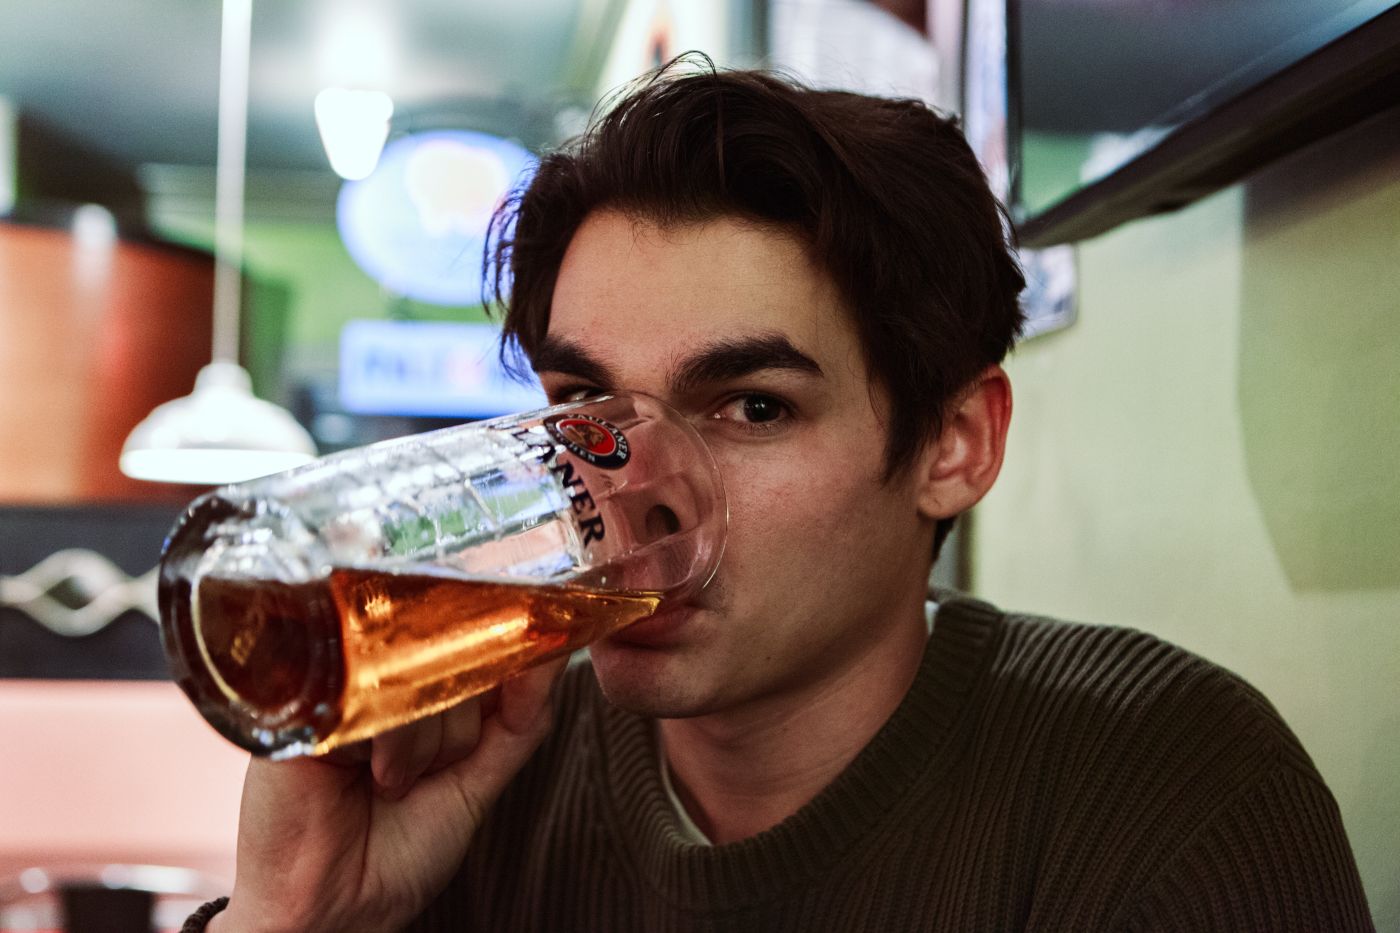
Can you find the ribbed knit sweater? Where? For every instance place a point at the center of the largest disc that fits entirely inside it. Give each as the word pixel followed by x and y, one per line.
pixel 1039 775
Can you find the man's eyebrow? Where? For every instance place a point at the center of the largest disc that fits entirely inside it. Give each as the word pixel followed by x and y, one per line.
pixel 735 358
pixel 557 355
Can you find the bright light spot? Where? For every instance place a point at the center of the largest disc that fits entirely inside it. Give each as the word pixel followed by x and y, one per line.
pixel 34 880
pixel 354 126
pixel 94 241
pixel 379 607
pixel 334 428
pixel 94 227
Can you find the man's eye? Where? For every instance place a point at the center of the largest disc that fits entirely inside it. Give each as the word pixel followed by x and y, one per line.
pixel 753 408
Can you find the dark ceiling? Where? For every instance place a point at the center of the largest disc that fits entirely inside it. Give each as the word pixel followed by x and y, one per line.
pixel 136 81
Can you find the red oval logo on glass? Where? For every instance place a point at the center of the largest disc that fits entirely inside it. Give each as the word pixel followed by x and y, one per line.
pixel 591 439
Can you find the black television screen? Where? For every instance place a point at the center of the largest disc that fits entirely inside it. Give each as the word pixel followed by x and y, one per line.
pixel 1122 108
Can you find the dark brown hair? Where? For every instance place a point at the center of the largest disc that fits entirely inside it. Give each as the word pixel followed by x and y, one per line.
pixel 886 194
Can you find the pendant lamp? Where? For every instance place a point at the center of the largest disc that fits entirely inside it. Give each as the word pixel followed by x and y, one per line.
pixel 221 432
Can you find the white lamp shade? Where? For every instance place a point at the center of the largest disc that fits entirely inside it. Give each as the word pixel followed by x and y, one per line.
pixel 353 127
pixel 219 433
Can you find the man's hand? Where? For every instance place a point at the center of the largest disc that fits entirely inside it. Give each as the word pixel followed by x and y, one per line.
pixel 365 839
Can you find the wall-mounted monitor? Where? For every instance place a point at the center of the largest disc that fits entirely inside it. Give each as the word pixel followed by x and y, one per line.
pixel 1117 109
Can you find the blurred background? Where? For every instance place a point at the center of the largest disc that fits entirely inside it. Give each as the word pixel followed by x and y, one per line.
pixel 1205 444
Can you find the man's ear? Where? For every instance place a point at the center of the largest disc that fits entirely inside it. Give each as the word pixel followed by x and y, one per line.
pixel 958 467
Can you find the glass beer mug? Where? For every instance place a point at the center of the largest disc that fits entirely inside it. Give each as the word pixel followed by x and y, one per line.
pixel 321 606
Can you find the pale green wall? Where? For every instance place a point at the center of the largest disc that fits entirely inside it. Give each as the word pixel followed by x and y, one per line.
pixel 1212 454
pixel 317 288
pixel 1055 170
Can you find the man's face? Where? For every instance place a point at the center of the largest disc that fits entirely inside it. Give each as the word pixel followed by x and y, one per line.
pixel 734 326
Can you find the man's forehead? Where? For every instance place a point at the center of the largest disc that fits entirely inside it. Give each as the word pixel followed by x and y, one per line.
pixel 618 264
pixel 630 296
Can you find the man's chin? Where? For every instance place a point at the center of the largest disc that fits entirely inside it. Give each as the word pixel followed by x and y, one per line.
pixel 646 682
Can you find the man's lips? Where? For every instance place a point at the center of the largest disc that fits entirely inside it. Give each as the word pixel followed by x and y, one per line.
pixel 657 630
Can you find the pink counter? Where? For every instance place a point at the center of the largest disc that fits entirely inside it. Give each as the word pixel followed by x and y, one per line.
pixel 113 771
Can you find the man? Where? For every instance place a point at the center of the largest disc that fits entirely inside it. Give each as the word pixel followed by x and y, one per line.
pixel 820 282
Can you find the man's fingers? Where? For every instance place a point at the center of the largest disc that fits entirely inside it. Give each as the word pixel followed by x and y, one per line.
pixel 422 752
pixel 525 695
pixel 461 730
pixel 403 755
pixel 508 738
pixel 399 757
pixel 393 755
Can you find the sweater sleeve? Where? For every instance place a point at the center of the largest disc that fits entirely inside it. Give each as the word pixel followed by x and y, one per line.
pixel 197 921
pixel 1273 857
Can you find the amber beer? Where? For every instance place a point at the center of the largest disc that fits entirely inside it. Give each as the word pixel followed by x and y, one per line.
pixel 325 605
pixel 362 651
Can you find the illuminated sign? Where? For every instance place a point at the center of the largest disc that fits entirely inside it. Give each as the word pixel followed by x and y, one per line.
pixel 417 224
pixel 428 368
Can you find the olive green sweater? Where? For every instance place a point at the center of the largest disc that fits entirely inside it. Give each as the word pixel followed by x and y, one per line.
pixel 1038 776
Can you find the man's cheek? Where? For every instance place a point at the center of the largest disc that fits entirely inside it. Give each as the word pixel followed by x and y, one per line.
pixel 787 519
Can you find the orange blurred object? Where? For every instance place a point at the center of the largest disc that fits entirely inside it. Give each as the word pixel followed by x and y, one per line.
pixel 95 331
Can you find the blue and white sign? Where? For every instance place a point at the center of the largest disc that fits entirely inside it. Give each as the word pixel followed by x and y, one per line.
pixel 428 368
pixel 417 225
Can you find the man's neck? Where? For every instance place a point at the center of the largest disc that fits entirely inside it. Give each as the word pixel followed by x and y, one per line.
pixel 742 772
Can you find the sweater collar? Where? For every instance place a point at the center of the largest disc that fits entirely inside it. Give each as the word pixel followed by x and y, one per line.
pixel 905 749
